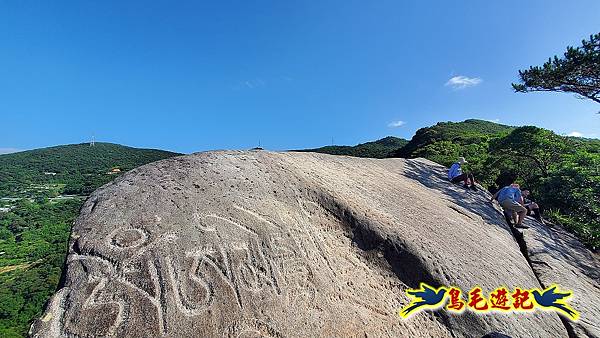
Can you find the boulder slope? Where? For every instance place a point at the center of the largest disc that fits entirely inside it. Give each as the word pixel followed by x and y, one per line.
pixel 559 258
pixel 291 244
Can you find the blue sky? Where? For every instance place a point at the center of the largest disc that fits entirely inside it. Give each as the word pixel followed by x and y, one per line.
pixel 192 76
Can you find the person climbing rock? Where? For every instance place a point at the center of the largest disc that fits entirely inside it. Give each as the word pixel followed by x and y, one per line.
pixel 532 207
pixel 456 175
pixel 511 200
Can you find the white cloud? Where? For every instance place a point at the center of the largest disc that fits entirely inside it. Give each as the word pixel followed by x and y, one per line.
pixel 9 150
pixel 250 84
pixel 493 120
pixel 254 83
pixel 460 82
pixel 580 134
pixel 396 124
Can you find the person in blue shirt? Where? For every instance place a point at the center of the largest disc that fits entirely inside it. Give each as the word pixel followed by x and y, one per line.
pixel 456 175
pixel 511 200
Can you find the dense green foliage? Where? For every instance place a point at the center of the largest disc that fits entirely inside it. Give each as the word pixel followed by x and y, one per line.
pixel 35 231
pixel 442 141
pixel 79 168
pixel 578 71
pixel 563 173
pixel 382 148
pixel 33 239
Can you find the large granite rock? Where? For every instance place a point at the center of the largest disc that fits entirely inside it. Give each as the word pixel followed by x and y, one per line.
pixel 262 244
pixel 559 258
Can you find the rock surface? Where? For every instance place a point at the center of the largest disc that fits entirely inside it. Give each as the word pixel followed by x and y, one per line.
pixel 559 258
pixel 262 244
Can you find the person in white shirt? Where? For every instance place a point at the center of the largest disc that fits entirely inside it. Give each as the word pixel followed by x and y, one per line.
pixel 532 207
pixel 456 175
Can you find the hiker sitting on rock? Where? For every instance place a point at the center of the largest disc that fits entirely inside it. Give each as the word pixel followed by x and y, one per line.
pixel 532 207
pixel 456 175
pixel 511 200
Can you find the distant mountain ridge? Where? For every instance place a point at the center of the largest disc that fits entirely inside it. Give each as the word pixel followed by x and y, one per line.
pixel 465 132
pixel 381 148
pixel 80 167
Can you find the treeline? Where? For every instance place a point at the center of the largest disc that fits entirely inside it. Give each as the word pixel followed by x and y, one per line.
pixel 382 148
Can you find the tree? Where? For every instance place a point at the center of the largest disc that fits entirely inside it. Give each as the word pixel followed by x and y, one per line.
pixel 577 72
pixel 533 148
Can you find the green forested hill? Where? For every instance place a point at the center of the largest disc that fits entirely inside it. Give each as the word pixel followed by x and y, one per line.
pixel 35 220
pixel 382 148
pixel 78 168
pixel 463 133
